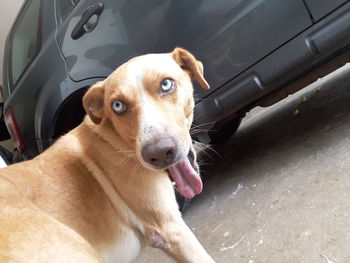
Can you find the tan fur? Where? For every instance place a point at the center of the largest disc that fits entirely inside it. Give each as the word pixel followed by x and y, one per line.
pixel 90 195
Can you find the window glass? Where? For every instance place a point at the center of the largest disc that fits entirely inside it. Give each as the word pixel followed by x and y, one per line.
pixel 25 39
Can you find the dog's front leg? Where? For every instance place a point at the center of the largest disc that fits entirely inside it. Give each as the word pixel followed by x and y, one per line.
pixel 177 240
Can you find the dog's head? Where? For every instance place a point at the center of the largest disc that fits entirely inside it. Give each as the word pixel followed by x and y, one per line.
pixel 147 104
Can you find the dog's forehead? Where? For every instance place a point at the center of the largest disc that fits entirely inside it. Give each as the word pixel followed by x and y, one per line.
pixel 161 62
pixel 136 69
pixel 135 73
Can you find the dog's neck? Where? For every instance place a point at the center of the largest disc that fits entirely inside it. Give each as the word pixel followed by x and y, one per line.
pixel 105 149
pixel 105 132
pixel 122 173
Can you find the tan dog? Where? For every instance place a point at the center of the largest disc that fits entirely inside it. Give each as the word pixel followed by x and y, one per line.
pixel 101 191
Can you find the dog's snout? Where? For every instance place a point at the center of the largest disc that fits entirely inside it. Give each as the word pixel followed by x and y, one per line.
pixel 160 152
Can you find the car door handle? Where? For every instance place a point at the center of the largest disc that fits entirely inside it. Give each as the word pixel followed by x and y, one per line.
pixel 88 20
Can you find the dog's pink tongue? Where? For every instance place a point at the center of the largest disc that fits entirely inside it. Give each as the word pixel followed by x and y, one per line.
pixel 188 181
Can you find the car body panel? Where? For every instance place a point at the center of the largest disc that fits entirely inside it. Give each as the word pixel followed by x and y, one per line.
pixel 315 46
pixel 321 8
pixel 99 52
pixel 241 41
pixel 250 48
pixel 228 36
pixel 24 96
pixel 40 91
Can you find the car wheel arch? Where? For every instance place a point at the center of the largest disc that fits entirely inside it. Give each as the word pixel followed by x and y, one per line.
pixel 69 114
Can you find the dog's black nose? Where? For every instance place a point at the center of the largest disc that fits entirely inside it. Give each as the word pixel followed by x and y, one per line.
pixel 160 152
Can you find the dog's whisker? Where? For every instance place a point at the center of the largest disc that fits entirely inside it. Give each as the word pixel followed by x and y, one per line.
pixel 133 173
pixel 126 151
pixel 206 153
pixel 199 98
pixel 204 164
pixel 212 150
pixel 126 158
pixel 198 129
pixel 122 161
pixel 204 148
pixel 198 116
pixel 203 130
pixel 200 149
pixel 195 132
pixel 202 145
pixel 203 124
pixel 143 176
pixel 196 147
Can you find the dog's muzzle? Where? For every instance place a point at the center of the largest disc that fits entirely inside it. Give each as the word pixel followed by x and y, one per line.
pixel 162 154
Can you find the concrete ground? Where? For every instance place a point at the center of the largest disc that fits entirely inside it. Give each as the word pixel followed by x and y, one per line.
pixel 279 191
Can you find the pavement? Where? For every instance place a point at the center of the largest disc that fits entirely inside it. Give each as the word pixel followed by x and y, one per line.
pixel 279 189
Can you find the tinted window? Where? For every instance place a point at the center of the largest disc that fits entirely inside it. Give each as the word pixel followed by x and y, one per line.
pixel 26 41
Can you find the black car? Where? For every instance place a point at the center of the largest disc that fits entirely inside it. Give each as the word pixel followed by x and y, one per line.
pixel 255 52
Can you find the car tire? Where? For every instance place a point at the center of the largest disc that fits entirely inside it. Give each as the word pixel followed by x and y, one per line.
pixel 222 132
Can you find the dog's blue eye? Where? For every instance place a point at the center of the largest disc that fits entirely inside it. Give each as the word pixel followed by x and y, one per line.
pixel 168 85
pixel 118 106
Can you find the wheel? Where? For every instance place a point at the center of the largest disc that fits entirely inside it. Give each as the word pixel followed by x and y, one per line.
pixel 71 114
pixel 223 132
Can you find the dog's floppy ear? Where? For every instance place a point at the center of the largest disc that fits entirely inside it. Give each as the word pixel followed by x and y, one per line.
pixel 93 102
pixel 190 64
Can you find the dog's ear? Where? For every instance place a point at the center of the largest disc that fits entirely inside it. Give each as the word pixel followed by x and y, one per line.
pixel 93 102
pixel 190 64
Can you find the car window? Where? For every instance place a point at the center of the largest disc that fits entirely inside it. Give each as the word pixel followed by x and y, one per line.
pixel 26 39
pixel 66 6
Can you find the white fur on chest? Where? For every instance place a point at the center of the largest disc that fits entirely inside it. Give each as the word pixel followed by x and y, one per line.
pixel 129 241
pixel 125 250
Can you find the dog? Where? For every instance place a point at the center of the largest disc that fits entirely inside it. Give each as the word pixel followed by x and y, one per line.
pixel 102 192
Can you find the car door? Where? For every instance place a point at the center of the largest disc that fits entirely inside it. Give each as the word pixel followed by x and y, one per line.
pixel 229 36
pixel 321 8
pixel 102 42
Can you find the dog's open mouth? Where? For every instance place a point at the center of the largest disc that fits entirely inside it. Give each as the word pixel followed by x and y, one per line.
pixel 185 174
